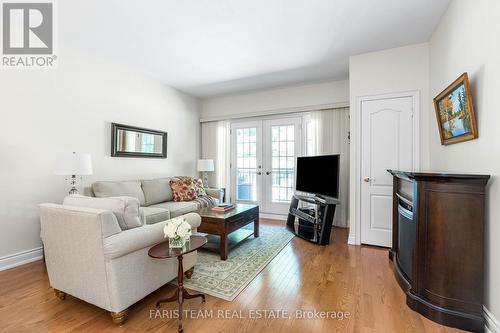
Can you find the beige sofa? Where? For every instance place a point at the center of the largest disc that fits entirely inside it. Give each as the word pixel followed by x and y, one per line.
pixel 96 249
pixel 155 197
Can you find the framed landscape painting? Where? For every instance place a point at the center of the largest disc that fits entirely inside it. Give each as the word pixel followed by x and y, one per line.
pixel 454 112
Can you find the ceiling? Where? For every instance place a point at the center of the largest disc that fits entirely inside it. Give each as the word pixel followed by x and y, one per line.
pixel 214 47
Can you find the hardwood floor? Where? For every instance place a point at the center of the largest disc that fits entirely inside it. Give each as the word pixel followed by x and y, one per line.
pixel 304 276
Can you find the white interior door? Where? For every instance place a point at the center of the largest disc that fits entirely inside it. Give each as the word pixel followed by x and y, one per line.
pixel 246 162
pixel 282 144
pixel 386 143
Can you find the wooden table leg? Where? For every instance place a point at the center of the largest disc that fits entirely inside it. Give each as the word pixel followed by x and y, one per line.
pixel 187 295
pixel 173 298
pixel 180 294
pixel 223 246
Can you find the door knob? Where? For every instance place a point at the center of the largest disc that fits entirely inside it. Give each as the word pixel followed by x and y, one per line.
pixel 268 173
pixel 259 173
pixel 366 179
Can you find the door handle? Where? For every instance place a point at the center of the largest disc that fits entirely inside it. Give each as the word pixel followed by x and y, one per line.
pixel 366 179
pixel 268 173
pixel 259 173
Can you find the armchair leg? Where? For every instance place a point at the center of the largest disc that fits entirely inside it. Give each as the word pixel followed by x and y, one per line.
pixel 60 294
pixel 189 272
pixel 119 317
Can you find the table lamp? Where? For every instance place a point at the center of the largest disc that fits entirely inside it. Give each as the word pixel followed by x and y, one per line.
pixel 205 166
pixel 74 165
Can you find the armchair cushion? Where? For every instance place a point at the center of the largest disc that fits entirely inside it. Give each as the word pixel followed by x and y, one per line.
pixel 126 209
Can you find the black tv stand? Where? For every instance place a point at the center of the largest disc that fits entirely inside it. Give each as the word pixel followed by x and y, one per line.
pixel 313 223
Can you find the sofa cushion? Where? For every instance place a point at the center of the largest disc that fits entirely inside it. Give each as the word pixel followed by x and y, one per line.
pixel 183 189
pixel 152 215
pixel 178 208
pixel 126 209
pixel 157 190
pixel 128 188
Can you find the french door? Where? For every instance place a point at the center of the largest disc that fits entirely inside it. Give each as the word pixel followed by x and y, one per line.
pixel 263 158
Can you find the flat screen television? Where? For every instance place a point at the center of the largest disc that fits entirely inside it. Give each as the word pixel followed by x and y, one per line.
pixel 318 175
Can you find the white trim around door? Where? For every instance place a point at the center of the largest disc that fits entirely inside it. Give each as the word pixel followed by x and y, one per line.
pixel 356 178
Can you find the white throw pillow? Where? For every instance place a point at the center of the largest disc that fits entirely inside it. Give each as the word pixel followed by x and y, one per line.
pixel 126 209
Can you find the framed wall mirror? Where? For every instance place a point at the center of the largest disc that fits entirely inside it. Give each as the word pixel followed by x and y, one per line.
pixel 130 141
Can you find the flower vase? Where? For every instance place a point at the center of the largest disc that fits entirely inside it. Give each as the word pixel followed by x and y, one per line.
pixel 175 243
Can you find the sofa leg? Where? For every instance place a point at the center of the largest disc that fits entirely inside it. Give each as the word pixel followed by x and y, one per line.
pixel 189 272
pixel 119 317
pixel 60 294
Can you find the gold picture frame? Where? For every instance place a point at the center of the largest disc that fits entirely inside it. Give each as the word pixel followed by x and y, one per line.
pixel 455 112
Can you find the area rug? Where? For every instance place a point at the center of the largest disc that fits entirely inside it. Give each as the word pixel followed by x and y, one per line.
pixel 226 279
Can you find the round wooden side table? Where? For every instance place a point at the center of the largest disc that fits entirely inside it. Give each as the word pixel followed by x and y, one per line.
pixel 162 251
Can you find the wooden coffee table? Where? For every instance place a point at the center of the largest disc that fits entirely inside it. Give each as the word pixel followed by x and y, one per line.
pixel 227 227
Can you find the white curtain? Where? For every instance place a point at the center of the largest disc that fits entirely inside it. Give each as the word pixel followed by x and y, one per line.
pixel 215 146
pixel 330 136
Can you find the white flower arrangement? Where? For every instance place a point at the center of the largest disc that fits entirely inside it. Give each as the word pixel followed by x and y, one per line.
pixel 177 228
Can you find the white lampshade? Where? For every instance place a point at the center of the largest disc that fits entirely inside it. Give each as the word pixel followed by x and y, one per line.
pixel 206 165
pixel 74 164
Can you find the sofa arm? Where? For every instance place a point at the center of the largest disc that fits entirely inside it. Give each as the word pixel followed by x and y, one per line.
pixel 216 193
pixel 193 219
pixel 131 240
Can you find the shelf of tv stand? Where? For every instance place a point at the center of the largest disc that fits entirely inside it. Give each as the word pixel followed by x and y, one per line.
pixel 302 215
pixel 316 201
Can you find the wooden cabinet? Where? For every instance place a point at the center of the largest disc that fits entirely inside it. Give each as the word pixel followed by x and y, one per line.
pixel 438 245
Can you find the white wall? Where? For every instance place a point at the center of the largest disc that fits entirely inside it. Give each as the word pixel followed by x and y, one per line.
pixel 294 98
pixel 466 40
pixel 45 113
pixel 395 70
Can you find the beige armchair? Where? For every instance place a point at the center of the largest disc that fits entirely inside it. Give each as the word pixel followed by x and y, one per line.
pixel 90 257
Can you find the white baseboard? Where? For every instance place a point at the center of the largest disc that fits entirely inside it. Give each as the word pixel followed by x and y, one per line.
pixel 273 216
pixel 492 324
pixel 20 258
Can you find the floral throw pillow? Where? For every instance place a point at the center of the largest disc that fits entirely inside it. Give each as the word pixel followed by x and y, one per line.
pixel 183 189
pixel 200 189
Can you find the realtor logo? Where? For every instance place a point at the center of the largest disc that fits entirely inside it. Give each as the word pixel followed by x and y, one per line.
pixel 28 29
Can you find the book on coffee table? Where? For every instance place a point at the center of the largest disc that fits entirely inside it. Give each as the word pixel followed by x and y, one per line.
pixel 223 207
